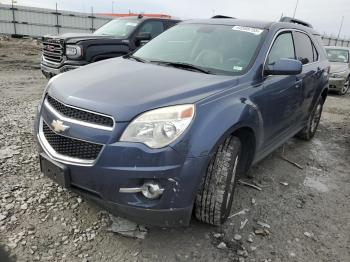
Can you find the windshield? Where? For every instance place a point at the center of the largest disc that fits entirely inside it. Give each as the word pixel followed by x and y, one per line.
pixel 219 49
pixel 120 28
pixel 338 55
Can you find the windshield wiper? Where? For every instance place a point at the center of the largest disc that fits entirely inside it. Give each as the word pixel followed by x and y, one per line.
pixel 183 66
pixel 136 58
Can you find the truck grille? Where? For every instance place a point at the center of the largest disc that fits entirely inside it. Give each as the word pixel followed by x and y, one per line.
pixel 53 50
pixel 71 147
pixel 79 114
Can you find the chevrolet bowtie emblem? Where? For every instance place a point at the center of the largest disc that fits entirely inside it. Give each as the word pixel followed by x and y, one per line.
pixel 58 126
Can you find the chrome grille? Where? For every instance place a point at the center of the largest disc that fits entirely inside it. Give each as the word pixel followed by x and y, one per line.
pixel 71 147
pixel 53 50
pixel 79 114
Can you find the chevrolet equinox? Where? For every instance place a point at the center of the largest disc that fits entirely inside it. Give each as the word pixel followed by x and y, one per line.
pixel 166 131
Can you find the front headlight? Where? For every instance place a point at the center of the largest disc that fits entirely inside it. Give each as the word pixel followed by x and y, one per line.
pixel 340 74
pixel 158 128
pixel 73 51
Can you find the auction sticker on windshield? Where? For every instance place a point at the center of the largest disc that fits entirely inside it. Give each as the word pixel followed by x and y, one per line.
pixel 255 31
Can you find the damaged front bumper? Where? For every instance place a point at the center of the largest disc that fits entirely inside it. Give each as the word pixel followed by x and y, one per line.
pixel 122 165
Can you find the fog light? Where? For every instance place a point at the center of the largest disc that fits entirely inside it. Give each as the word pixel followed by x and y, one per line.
pixel 151 190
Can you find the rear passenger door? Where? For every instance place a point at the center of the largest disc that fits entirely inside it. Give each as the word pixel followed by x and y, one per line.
pixel 311 76
pixel 280 94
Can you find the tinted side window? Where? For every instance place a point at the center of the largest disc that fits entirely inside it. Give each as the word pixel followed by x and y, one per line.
pixel 153 27
pixel 304 48
pixel 283 47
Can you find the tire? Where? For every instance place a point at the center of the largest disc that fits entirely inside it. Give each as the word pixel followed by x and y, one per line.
pixel 310 129
pixel 345 87
pixel 214 199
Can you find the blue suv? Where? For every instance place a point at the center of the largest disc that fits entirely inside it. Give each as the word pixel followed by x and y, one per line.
pixel 166 131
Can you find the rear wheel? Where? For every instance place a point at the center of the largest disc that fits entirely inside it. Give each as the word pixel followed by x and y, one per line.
pixel 345 88
pixel 215 197
pixel 310 130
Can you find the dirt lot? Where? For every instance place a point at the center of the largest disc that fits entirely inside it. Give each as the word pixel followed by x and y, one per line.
pixel 307 208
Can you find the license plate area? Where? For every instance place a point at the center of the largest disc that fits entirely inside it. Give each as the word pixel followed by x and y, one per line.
pixel 56 171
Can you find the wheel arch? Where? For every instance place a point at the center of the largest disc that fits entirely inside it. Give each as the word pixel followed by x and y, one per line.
pixel 324 94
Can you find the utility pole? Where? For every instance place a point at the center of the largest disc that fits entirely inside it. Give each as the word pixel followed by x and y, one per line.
pixel 296 7
pixel 341 26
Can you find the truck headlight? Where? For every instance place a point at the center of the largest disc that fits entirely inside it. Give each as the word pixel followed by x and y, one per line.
pixel 158 128
pixel 341 74
pixel 73 51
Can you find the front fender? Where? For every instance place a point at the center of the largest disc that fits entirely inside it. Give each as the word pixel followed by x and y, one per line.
pixel 215 121
pixel 98 52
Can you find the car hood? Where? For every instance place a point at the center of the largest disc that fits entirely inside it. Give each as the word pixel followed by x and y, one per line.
pixel 72 38
pixel 339 67
pixel 124 88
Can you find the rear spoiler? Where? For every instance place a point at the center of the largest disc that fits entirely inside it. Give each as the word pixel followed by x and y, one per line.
pixel 295 21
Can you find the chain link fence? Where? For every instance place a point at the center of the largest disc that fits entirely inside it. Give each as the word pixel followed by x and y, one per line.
pixel 334 41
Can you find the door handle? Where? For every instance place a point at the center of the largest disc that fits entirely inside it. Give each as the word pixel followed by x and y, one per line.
pixel 298 83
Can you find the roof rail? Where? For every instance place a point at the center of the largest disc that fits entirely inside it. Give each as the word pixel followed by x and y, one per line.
pixel 295 21
pixel 222 16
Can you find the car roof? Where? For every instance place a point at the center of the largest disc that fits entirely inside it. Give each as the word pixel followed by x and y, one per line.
pixel 267 25
pixel 338 47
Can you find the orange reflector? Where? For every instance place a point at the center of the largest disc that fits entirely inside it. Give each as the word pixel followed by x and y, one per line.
pixel 187 113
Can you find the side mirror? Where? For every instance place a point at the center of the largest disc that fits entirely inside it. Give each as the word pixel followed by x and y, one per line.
pixel 143 38
pixel 284 66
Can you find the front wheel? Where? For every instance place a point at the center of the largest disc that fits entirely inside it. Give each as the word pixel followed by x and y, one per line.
pixel 345 88
pixel 310 129
pixel 215 197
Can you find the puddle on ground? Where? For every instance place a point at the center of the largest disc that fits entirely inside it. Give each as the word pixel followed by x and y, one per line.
pixel 315 183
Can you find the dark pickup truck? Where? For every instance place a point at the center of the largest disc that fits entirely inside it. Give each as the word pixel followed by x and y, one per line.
pixel 116 38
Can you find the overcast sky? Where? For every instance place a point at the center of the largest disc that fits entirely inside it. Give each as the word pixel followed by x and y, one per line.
pixel 324 15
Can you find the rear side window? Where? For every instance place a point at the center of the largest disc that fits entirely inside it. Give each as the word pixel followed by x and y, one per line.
pixel 304 48
pixel 283 47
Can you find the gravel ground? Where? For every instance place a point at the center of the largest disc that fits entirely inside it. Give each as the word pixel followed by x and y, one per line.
pixel 302 212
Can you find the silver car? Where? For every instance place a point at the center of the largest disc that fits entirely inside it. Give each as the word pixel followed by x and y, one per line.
pixel 340 68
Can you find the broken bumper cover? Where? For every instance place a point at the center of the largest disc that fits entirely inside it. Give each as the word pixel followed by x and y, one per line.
pixel 336 84
pixel 175 217
pixel 102 181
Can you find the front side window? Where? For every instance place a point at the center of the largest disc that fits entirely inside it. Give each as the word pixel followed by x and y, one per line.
pixel 283 47
pixel 118 28
pixel 337 55
pixel 220 49
pixel 304 48
pixel 152 27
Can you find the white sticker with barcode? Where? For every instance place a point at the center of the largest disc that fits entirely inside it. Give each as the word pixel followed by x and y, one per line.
pixel 255 31
pixel 238 68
